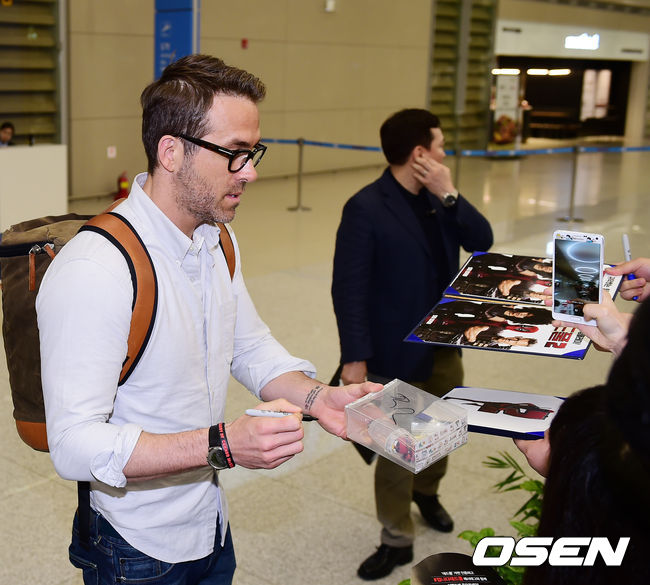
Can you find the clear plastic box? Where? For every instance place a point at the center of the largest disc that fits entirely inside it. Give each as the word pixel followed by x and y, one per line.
pixel 406 425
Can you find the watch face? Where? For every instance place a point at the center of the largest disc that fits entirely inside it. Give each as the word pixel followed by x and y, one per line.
pixel 449 200
pixel 217 458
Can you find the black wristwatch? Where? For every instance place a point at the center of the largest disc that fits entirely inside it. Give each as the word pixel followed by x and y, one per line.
pixel 219 455
pixel 449 199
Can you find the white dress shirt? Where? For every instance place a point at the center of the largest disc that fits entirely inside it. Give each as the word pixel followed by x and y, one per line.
pixel 206 327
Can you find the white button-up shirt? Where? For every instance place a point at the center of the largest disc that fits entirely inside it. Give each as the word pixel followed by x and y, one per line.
pixel 206 327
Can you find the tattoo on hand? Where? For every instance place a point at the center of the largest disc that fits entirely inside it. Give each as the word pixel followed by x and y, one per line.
pixel 309 401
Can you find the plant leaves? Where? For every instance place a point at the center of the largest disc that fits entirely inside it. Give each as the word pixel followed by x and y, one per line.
pixel 529 513
pixel 495 462
pixel 473 537
pixel 511 575
pixel 524 529
pixel 531 506
pixel 532 485
pixel 513 477
pixel 512 462
pixel 470 536
pixel 486 532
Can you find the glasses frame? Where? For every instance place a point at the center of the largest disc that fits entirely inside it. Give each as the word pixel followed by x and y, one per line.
pixel 229 154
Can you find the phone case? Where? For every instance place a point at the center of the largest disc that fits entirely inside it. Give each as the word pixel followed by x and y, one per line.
pixel 577 274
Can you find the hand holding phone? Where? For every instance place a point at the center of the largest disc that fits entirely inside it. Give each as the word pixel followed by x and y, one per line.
pixel 577 274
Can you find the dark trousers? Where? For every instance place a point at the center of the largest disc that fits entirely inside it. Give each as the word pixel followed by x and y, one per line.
pixel 394 485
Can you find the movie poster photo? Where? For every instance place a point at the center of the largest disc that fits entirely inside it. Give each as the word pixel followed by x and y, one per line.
pixel 504 276
pixel 496 302
pixel 505 413
pixel 512 327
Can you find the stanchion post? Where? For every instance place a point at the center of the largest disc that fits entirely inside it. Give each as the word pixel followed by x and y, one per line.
pixel 574 182
pixel 299 206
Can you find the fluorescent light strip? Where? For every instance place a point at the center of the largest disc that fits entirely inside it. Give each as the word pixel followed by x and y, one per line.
pixel 506 71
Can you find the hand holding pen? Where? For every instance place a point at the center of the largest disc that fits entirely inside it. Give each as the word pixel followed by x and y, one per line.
pixel 637 285
pixel 265 441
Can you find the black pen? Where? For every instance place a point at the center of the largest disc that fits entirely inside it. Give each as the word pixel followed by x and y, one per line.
pixel 277 414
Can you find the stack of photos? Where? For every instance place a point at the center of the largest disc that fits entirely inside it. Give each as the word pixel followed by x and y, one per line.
pixel 496 302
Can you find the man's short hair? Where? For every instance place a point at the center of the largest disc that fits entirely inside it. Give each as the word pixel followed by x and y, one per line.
pixel 405 130
pixel 178 102
pixel 8 125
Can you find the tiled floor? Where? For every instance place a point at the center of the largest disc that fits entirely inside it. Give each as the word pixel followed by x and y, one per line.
pixel 312 520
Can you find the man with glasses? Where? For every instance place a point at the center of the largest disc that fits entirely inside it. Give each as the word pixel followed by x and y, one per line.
pixel 152 448
pixel 237 159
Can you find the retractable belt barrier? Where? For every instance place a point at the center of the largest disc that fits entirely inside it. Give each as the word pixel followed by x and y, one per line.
pixel 462 153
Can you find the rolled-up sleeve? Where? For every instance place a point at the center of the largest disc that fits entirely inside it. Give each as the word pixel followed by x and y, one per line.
pixel 107 466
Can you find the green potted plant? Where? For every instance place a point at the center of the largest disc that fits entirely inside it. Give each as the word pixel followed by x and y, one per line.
pixel 525 520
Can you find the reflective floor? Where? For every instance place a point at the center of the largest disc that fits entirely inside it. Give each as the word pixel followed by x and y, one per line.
pixel 313 520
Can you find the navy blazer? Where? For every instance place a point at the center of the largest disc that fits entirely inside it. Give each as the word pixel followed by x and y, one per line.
pixel 385 278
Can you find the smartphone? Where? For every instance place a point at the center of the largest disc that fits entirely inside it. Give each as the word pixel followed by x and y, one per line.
pixel 577 274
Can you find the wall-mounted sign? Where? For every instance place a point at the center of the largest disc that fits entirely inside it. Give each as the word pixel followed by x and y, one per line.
pixel 176 31
pixel 540 39
pixel 585 42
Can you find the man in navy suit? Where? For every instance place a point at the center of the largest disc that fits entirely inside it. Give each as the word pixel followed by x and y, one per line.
pixel 397 249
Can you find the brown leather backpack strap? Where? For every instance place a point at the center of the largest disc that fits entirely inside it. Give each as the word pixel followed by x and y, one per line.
pixel 113 205
pixel 121 233
pixel 228 248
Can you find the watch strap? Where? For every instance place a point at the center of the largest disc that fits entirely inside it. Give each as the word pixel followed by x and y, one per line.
pixel 213 436
pixel 217 438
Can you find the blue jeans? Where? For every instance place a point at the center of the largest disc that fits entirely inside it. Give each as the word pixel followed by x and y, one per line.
pixel 110 559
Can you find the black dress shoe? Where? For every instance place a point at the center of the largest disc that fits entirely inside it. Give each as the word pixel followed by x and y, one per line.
pixel 383 561
pixel 433 512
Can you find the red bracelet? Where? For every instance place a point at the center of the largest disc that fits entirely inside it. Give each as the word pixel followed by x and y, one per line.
pixel 224 445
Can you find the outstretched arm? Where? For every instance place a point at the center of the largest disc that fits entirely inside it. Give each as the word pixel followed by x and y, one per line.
pixel 327 403
pixel 255 442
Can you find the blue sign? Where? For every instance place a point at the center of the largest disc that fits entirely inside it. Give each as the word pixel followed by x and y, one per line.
pixel 176 31
pixel 174 4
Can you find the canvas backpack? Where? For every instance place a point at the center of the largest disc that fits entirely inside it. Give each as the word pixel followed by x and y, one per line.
pixel 26 251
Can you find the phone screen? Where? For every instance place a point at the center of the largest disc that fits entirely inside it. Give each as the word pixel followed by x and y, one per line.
pixel 577 273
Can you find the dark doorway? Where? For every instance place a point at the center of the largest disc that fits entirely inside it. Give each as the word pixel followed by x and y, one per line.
pixel 557 103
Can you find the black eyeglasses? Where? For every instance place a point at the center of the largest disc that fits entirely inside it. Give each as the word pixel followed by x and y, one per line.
pixel 237 159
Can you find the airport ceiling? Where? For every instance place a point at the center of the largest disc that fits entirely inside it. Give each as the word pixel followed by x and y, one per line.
pixel 628 6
